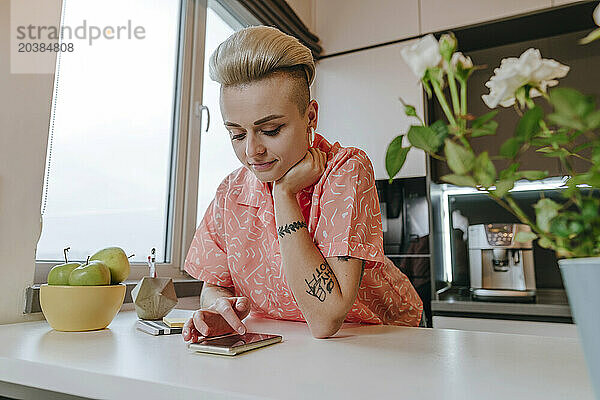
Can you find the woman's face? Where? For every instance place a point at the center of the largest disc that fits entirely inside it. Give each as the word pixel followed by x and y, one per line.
pixel 268 133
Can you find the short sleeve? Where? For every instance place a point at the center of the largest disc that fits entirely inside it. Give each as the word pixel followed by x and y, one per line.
pixel 349 219
pixel 206 259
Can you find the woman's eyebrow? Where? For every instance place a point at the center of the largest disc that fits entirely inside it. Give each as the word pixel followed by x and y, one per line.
pixel 257 122
pixel 267 118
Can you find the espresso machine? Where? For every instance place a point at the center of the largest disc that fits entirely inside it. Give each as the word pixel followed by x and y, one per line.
pixel 501 269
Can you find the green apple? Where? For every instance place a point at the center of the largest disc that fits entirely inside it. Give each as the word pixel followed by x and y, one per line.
pixel 92 273
pixel 59 274
pixel 116 260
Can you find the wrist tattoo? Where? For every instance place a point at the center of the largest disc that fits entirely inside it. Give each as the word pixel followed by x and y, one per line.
pixel 321 282
pixel 289 228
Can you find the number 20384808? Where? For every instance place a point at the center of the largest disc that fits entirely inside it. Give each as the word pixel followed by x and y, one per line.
pixel 42 47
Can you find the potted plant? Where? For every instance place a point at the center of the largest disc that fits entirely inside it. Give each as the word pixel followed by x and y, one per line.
pixel 571 130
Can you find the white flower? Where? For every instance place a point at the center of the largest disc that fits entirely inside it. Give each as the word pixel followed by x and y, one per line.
pixel 465 62
pixel 513 73
pixel 422 55
pixel 596 15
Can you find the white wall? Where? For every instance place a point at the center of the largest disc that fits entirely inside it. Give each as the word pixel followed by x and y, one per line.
pixel 24 117
pixel 350 24
pixel 359 104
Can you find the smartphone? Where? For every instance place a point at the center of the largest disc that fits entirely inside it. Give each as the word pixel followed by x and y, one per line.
pixel 234 344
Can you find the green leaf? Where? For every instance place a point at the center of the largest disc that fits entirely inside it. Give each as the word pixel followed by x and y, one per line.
pixel 487 129
pixel 503 187
pixel 592 120
pixel 509 173
pixel 571 103
pixel 575 228
pixel 550 152
pixel 545 243
pixel 565 120
pixel 524 236
pixel 460 180
pixel 590 208
pixel 596 154
pixel 484 171
pixel 510 148
pixel 559 227
pixel 573 136
pixel 440 129
pixel 480 121
pixel 545 210
pixel 554 140
pixel 410 111
pixel 529 124
pixel 533 175
pixel 459 159
pixel 545 150
pixel 423 137
pixel 395 156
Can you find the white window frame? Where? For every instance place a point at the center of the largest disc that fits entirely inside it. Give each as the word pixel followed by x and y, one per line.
pixel 234 14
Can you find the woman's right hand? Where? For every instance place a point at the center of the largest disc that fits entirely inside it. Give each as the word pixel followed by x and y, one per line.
pixel 222 317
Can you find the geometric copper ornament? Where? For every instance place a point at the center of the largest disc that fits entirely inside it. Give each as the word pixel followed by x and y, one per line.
pixel 154 297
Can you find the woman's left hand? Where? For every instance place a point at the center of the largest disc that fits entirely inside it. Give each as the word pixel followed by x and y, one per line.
pixel 306 172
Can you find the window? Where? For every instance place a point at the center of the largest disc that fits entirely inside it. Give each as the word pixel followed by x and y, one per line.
pixel 123 156
pixel 217 159
pixel 108 166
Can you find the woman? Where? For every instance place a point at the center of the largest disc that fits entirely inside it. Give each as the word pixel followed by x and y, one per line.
pixel 295 233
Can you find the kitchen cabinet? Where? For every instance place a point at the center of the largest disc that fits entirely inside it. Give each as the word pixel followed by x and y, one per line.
pixel 437 15
pixel 350 24
pixel 358 98
pixel 506 326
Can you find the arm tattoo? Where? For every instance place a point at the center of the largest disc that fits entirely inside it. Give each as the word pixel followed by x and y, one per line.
pixel 321 282
pixel 289 228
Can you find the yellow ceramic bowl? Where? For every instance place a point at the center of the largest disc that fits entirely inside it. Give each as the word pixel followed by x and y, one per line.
pixel 81 308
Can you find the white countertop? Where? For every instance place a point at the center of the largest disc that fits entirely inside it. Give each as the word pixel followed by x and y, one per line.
pixel 360 361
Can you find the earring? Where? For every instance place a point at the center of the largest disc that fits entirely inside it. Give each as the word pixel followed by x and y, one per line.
pixel 311 139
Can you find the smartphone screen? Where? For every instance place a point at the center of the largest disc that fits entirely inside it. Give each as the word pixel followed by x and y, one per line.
pixel 234 344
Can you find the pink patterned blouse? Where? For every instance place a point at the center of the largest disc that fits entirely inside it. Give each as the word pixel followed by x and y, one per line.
pixel 236 244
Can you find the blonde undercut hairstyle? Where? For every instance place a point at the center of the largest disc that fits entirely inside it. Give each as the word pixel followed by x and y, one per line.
pixel 257 52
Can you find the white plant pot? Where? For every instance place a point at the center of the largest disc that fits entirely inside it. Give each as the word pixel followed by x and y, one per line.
pixel 581 277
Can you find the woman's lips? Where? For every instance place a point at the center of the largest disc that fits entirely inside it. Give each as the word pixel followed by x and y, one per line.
pixel 263 167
